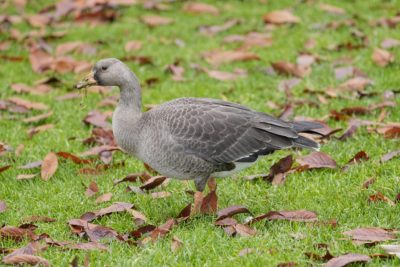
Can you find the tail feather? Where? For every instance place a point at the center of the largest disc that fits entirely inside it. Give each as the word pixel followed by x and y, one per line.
pixel 306 127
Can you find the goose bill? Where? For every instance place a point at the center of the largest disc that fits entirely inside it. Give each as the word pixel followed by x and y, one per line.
pixel 87 81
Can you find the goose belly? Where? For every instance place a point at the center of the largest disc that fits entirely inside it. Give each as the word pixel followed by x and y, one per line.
pixel 239 166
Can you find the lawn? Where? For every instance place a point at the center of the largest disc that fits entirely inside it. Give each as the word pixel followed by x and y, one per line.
pixel 332 193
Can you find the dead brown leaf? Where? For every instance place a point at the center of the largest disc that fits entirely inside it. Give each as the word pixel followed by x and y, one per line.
pixel 153 182
pixel 104 198
pixel 39 129
pixel 162 194
pixel 115 207
pixel 73 157
pixel 366 184
pixel 200 8
pixel 380 197
pixel 138 217
pixel 278 171
pixel 370 235
pixel 154 20
pixel 163 229
pixel 287 68
pixel 28 104
pixel 31 165
pixel 25 259
pixel 332 9
pixel 390 43
pixel 317 160
pixel 230 211
pixel 75 46
pixel 295 216
pixel 225 75
pixel 92 189
pixel 212 30
pixel 218 57
pixel 93 231
pixel 356 84
pixel 49 166
pixel 37 218
pixel 244 230
pixel 4 168
pixel 346 259
pixel 252 39
pixel 25 176
pixel 279 17
pixel 358 157
pixel 390 131
pixel 133 45
pixel 390 155
pixel 382 57
pixel 16 233
pixel 210 203
pixel 88 246
pixel 38 117
pixel 40 59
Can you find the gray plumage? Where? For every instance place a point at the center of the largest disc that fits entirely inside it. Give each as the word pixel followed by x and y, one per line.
pixel 194 138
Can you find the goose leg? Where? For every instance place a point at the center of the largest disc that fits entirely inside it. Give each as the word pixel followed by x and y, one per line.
pixel 200 184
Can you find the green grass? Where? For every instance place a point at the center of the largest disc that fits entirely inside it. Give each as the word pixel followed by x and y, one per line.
pixel 331 193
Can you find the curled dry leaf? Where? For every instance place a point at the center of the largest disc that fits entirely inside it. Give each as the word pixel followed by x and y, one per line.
pixel 88 246
pixel 380 197
pixel 153 182
pixel 154 20
pixel 358 157
pixel 390 131
pixel 163 229
pixel 115 207
pixel 346 259
pixel 252 39
pixel 96 118
pixel 368 182
pixel 73 157
pixel 332 9
pixel 382 57
pixel 281 17
pixel 4 168
pixel 210 203
pixel 356 84
pixel 49 166
pixel 225 75
pixel 38 117
pixel 200 8
pixel 39 129
pixel 138 217
pixel 277 172
pixel 317 160
pixel 370 235
pixel 16 233
pixel 94 232
pixel 230 211
pixel 244 230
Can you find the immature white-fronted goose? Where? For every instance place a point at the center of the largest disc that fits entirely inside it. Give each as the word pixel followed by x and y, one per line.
pixel 193 138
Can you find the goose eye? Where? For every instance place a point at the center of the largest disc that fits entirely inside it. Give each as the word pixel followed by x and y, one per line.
pixel 104 67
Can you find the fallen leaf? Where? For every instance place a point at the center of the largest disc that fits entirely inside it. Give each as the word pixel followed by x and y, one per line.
pixel 185 213
pixel 133 45
pixel 115 207
pixel 4 168
pixel 218 57
pixel 40 59
pixel 380 197
pixel 94 232
pixel 163 229
pixel 392 249
pixel 161 194
pixel 287 264
pixel 72 157
pixel 31 165
pixel 390 155
pixel 317 160
pixel 38 117
pixel 88 246
pixel 244 230
pixel 382 57
pixel 35 219
pixel 287 68
pixel 368 182
pixel 3 206
pixel 277 172
pixel 228 221
pixel 28 104
pixel 153 182
pixel 357 84
pixel 176 244
pixel 154 20
pixel 390 131
pixel 358 157
pixel 49 166
pixel 138 233
pixel 39 129
pixel 230 211
pixel 104 198
pixel 200 8
pixel 226 76
pixel 332 9
pixel 25 176
pixel 17 234
pixel 295 216
pixel 138 217
pixel 390 43
pixel 92 189
pixel 212 30
pixel 279 17
pixel 370 235
pixel 131 178
pixel 26 259
pixel 252 39
pixel 210 203
pixel 96 118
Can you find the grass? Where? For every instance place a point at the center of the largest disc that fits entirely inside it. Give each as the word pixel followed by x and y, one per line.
pixel 331 193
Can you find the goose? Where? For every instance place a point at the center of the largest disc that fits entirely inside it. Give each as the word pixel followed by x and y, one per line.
pixel 193 138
